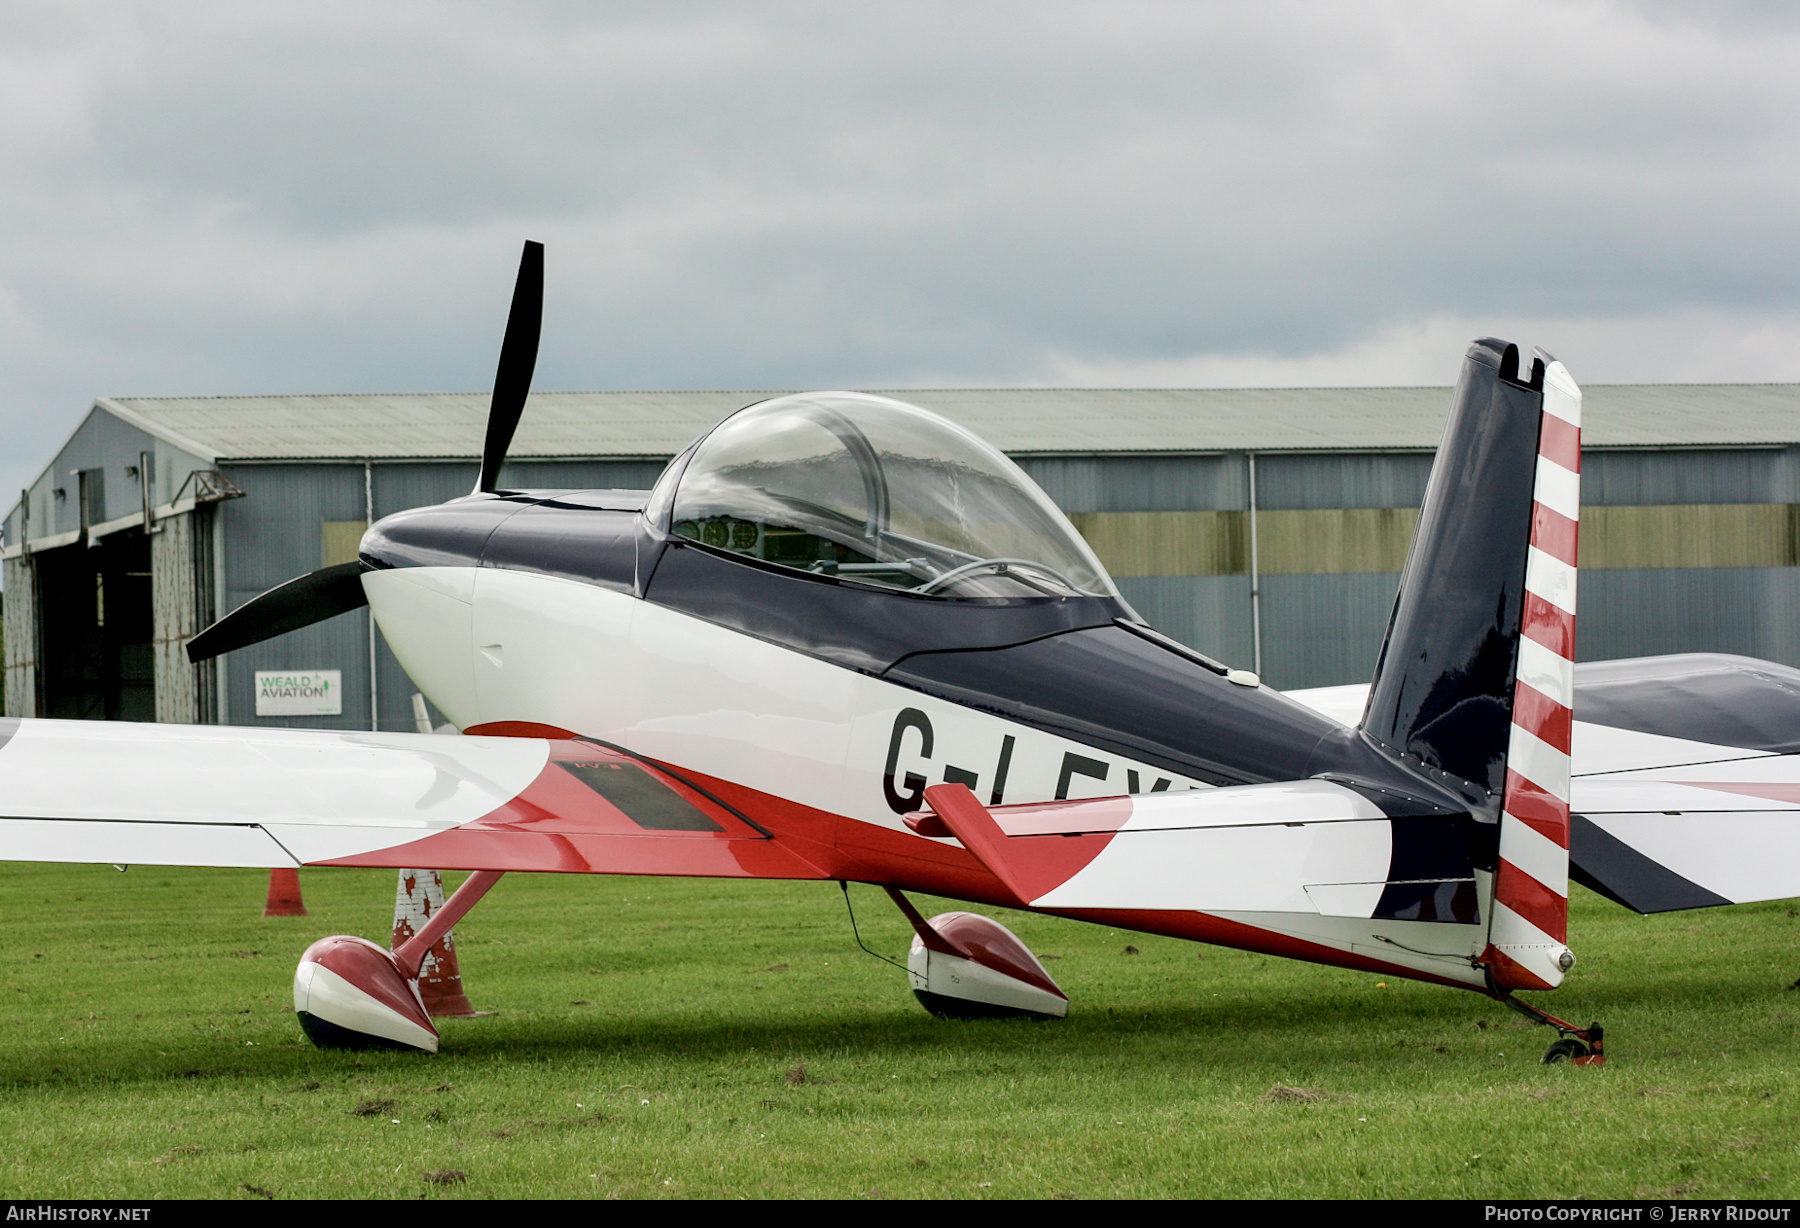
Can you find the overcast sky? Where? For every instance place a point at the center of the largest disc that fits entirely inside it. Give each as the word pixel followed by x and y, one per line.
pixel 266 198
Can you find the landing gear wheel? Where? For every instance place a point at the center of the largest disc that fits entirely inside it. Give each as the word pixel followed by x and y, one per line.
pixel 966 966
pixel 1580 1046
pixel 351 994
pixel 1566 1049
pixel 986 973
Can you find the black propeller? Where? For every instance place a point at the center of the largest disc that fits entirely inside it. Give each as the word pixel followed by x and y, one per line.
pixel 300 602
pixel 335 590
pixel 518 359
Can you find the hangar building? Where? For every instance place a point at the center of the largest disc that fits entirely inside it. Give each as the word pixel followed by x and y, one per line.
pixel 1264 526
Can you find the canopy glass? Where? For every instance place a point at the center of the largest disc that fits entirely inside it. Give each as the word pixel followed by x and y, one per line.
pixel 875 490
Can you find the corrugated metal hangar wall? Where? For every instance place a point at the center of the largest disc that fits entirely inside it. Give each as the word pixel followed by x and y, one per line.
pixel 1681 551
pixel 1284 510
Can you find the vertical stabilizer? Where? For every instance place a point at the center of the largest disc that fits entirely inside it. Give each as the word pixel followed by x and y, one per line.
pixel 1473 688
pixel 1442 694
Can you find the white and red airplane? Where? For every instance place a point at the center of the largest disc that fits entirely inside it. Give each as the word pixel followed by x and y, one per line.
pixel 845 639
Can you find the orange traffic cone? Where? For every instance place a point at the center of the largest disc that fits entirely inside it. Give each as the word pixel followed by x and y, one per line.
pixel 284 894
pixel 419 894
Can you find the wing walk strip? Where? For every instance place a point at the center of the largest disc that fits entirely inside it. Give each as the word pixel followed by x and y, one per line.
pixel 1530 917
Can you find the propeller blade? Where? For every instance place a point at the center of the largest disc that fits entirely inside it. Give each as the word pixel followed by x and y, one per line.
pixel 518 358
pixel 300 602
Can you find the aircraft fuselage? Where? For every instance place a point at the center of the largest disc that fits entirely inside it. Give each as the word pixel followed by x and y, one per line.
pixel 821 703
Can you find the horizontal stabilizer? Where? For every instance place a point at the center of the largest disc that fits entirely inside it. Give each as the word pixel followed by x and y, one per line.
pixel 1686 793
pixel 1311 847
pixel 1690 836
pixel 1682 795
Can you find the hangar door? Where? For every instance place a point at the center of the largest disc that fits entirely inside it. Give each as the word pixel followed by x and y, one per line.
pixel 94 627
pixel 98 630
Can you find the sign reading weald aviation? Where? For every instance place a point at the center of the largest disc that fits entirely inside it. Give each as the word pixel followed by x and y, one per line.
pixel 302 692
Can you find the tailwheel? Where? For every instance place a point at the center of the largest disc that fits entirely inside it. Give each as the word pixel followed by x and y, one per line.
pixel 1566 1049
pixel 1595 1037
pixel 1579 1046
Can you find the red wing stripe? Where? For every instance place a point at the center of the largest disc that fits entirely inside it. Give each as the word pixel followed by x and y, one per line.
pixel 1561 442
pixel 1552 627
pixel 595 810
pixel 1541 716
pixel 1553 533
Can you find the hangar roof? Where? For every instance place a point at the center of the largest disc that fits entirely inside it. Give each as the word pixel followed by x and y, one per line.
pixel 1021 421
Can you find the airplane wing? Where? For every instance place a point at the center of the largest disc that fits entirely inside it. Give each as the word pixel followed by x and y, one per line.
pixel 1685 778
pixel 202 795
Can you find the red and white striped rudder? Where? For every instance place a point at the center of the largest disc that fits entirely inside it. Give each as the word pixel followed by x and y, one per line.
pixel 1529 924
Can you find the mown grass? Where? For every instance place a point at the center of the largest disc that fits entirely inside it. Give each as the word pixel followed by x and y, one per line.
pixel 651 1037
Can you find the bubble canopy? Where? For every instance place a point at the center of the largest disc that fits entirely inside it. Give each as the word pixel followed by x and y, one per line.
pixel 873 490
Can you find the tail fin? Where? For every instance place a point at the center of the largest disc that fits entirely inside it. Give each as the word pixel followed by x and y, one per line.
pixel 1473 686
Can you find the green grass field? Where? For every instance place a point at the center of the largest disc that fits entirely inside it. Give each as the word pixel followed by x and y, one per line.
pixel 651 1033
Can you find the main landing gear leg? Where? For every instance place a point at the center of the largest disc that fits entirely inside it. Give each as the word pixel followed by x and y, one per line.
pixel 1583 1046
pixel 351 994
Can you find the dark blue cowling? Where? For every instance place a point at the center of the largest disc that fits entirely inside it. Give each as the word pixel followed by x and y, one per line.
pixel 586 535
